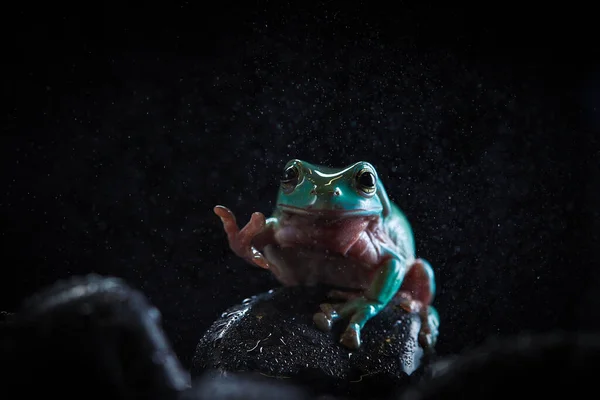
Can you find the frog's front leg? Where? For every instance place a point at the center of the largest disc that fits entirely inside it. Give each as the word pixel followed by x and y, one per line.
pixel 244 242
pixel 383 288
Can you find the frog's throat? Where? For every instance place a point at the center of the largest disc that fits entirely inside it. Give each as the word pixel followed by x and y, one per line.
pixel 321 212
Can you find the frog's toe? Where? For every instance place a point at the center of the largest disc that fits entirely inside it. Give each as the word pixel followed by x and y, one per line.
pixel 324 319
pixel 351 337
pixel 322 322
pixel 427 340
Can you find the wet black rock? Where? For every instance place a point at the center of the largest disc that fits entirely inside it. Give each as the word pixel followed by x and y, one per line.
pixel 525 366
pixel 273 334
pixel 93 338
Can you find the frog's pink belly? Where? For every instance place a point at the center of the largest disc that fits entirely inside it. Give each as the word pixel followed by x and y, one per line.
pixel 303 266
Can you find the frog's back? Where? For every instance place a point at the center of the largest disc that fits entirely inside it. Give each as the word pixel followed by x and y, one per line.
pixel 400 232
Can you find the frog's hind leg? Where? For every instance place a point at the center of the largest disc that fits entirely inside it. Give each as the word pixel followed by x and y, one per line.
pixel 428 340
pixel 419 282
pixel 419 285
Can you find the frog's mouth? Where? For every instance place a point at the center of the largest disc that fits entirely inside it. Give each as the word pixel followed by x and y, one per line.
pixel 327 212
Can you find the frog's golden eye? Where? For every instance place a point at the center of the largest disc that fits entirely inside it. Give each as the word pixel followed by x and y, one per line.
pixel 290 177
pixel 366 182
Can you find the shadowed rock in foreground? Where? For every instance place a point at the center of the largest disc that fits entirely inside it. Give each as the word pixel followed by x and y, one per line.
pixel 273 334
pixel 523 366
pixel 90 337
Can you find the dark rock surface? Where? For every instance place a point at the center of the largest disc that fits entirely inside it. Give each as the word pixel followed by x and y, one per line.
pixel 90 337
pixel 533 366
pixel 273 334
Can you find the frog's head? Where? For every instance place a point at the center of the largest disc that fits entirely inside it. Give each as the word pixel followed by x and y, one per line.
pixel 309 189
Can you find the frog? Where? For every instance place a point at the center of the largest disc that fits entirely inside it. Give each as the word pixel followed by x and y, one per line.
pixel 338 227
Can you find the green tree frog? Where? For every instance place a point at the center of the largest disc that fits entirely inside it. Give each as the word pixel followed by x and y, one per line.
pixel 337 226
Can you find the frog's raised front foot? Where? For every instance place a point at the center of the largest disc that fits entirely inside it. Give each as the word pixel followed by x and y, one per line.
pixel 240 241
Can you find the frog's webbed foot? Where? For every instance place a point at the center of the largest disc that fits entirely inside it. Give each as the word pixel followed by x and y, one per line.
pixel 351 337
pixel 359 310
pixel 328 314
pixel 325 319
pixel 240 241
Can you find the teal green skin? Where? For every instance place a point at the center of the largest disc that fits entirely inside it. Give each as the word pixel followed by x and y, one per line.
pixel 316 193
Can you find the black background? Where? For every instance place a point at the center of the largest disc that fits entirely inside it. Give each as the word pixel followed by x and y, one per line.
pixel 125 126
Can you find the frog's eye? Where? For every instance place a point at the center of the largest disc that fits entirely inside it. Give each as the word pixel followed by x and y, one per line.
pixel 289 180
pixel 366 182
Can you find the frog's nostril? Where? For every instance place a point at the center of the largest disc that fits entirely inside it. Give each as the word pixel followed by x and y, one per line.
pixel 337 192
pixel 313 192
